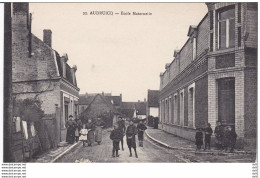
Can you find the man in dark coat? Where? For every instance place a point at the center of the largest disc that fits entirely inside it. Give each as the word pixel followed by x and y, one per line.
pixel 199 138
pixel 116 135
pixel 219 132
pixel 233 139
pixel 229 139
pixel 78 127
pixel 71 126
pixel 131 131
pixel 121 125
pixel 156 122
pixel 208 132
pixel 141 128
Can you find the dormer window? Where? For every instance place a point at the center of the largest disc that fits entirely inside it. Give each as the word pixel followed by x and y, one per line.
pixel 226 27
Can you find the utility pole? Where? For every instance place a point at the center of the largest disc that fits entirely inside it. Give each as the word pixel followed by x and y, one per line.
pixel 8 101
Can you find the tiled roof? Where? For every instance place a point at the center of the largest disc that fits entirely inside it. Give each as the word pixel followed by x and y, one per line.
pixel 153 98
pixel 88 111
pixel 140 108
pixel 85 99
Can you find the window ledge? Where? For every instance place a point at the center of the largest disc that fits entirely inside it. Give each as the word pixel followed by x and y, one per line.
pixel 222 51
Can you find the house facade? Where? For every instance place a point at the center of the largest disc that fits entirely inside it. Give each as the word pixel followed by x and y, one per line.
pixel 87 98
pixel 101 106
pixel 40 73
pixel 213 76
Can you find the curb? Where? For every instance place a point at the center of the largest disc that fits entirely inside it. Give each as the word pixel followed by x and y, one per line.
pixel 64 152
pixel 192 150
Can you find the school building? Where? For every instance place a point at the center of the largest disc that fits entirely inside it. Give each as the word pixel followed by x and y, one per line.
pixel 213 77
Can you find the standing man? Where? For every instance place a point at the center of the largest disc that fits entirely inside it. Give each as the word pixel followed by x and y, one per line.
pixel 71 127
pixel 208 133
pixel 122 128
pixel 77 128
pixel 219 131
pixel 141 128
pixel 131 131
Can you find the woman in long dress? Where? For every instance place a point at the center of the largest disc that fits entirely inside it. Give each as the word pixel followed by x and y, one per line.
pixel 91 128
pixel 70 125
pixel 99 124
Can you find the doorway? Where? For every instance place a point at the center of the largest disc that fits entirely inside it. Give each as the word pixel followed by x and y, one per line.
pixel 226 101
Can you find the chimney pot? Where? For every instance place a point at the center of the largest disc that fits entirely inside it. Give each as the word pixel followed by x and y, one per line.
pixel 47 37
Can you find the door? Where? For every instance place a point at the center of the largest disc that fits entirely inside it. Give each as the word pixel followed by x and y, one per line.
pixel 226 101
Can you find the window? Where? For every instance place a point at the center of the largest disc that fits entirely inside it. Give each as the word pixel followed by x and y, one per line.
pixel 211 42
pixel 182 107
pixel 166 111
pixel 175 110
pixel 194 49
pixel 170 110
pixel 211 20
pixel 226 27
pixel 66 107
pixel 191 105
pixel 239 13
pixel 239 36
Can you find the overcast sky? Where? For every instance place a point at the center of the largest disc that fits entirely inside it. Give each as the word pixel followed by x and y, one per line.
pixel 118 54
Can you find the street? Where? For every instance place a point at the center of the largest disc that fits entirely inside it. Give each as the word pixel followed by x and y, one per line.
pixel 103 153
pixel 151 152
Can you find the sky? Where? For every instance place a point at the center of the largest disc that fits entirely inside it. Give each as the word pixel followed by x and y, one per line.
pixel 120 53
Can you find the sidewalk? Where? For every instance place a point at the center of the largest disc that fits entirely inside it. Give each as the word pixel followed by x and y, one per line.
pixel 54 155
pixel 177 143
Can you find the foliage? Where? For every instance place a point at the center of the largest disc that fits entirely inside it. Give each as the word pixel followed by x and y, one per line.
pixel 28 109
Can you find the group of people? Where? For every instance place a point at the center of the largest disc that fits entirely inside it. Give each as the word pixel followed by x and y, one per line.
pixel 225 137
pixel 117 136
pixel 89 132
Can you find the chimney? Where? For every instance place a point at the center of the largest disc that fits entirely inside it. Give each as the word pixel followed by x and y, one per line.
pixel 47 37
pixel 138 101
pixel 73 73
pixel 103 93
pixel 144 99
pixel 22 8
pixel 64 60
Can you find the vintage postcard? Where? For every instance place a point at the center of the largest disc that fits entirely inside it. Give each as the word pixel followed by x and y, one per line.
pixel 130 82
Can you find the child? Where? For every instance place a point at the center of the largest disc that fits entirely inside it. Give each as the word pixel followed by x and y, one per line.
pixel 208 133
pixel 116 136
pixel 83 135
pixel 131 131
pixel 141 128
pixel 199 138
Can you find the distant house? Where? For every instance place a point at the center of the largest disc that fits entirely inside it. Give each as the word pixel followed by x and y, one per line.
pixel 87 98
pixel 153 103
pixel 133 110
pixel 41 74
pixel 101 106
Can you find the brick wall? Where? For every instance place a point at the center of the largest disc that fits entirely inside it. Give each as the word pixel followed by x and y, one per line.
pixel 251 25
pixel 201 102
pixel 47 91
pixel 203 36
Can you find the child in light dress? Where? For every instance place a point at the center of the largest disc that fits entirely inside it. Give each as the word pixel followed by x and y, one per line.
pixel 83 135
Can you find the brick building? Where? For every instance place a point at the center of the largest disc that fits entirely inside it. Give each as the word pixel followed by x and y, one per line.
pixel 213 76
pixel 40 73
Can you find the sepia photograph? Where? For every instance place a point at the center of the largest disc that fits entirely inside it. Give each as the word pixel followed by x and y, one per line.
pixel 130 82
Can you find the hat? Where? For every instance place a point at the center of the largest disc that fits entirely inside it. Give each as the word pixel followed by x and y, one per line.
pixel 70 116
